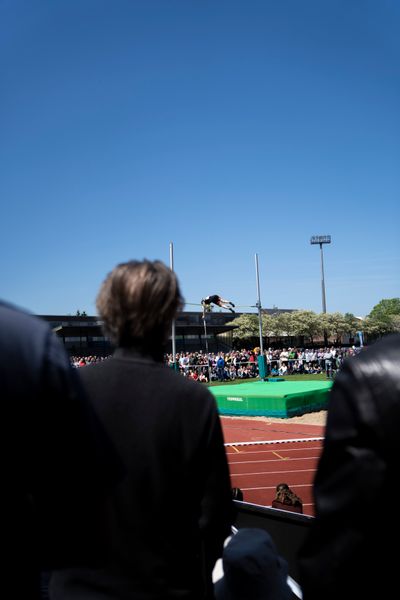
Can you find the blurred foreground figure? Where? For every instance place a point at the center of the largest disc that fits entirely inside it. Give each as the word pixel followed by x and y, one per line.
pixel 347 553
pixel 173 511
pixel 252 569
pixel 57 463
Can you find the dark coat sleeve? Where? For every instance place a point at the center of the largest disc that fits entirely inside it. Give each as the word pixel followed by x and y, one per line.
pixel 345 544
pixel 217 508
pixel 74 466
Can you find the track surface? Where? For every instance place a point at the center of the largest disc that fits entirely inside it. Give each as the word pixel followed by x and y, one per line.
pixel 289 454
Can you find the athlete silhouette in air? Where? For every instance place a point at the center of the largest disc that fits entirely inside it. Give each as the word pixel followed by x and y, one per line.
pixel 218 301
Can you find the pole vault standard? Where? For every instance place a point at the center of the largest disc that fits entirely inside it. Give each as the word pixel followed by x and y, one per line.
pixel 171 265
pixel 261 358
pixel 258 304
pixel 206 341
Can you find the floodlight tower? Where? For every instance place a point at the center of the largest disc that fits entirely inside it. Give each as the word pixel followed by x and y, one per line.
pixel 322 239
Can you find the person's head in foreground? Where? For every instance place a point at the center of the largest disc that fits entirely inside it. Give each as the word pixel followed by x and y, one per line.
pixel 138 301
pixel 253 569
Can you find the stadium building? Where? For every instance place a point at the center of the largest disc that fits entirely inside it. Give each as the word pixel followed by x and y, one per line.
pixel 83 335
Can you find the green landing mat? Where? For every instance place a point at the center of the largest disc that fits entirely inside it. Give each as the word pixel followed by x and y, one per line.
pixel 272 398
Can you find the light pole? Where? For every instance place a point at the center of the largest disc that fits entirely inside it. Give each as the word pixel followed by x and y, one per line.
pixel 322 239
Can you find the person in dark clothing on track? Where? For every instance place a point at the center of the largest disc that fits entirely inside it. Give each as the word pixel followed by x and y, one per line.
pixel 286 499
pixel 218 301
pixel 173 511
pixel 56 461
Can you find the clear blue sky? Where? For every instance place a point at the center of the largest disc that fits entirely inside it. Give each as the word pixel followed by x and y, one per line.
pixel 227 127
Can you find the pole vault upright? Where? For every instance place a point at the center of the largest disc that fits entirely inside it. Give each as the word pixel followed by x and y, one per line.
pixel 173 337
pixel 262 368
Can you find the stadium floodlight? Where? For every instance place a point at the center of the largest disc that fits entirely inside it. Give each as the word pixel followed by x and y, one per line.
pixel 322 239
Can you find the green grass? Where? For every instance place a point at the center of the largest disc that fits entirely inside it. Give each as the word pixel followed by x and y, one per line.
pixel 316 377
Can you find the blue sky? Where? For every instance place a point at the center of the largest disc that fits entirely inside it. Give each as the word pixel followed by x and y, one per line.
pixel 226 127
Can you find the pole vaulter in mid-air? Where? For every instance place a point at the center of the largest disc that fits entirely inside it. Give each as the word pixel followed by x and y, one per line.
pixel 218 301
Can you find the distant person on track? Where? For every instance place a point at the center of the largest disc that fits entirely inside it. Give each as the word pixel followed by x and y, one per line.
pixel 286 499
pixel 218 301
pixel 173 511
pixel 56 469
pixel 346 554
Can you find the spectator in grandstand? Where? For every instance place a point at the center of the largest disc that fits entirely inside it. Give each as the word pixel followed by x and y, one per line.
pixel 345 555
pixel 173 510
pixel 274 371
pixel 283 370
pixel 220 364
pixel 59 463
pixel 286 499
pixel 218 301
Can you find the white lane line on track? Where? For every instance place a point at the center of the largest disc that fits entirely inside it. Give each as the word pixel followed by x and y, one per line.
pixel 254 443
pixel 301 485
pixel 273 472
pixel 270 460
pixel 249 452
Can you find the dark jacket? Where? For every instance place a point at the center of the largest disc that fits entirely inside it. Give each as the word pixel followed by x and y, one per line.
pixel 52 455
pixel 176 498
pixel 347 552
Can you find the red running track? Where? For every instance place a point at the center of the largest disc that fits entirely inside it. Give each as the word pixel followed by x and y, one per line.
pixel 289 454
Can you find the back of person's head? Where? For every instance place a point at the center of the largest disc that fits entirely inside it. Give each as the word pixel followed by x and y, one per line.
pixel 138 301
pixel 253 569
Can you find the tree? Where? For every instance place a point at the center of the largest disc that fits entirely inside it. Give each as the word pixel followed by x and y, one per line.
pixel 334 323
pixel 247 327
pixel 396 323
pixel 385 309
pixel 268 325
pixel 307 323
pixel 284 324
pixel 375 327
pixel 384 317
pixel 352 324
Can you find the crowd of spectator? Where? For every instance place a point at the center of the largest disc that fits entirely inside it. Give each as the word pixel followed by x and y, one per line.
pixel 243 364
pixel 82 361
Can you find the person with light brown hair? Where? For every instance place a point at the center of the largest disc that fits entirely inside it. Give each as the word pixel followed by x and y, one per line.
pixel 173 511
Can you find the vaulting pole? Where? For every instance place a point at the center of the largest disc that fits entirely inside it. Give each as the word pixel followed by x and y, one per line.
pixel 171 265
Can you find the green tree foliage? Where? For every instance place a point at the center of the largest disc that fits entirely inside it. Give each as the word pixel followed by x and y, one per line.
pixel 383 318
pixel 376 327
pixel 396 323
pixel 307 323
pixel 247 327
pixel 284 324
pixel 385 309
pixel 334 324
pixel 352 324
pixel 269 326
